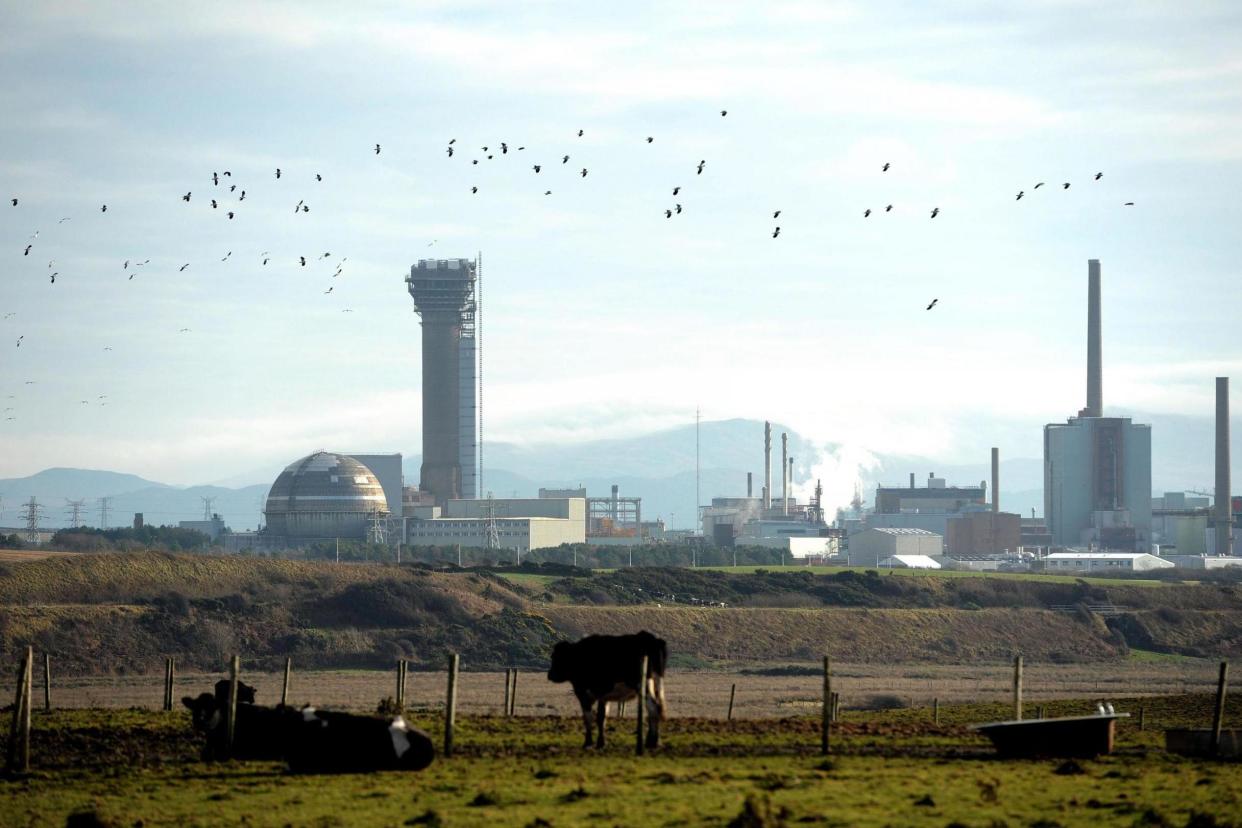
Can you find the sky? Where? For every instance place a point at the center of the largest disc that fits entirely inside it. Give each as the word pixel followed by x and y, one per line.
pixel 602 317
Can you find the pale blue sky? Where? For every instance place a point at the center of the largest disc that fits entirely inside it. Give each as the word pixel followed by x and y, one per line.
pixel 603 317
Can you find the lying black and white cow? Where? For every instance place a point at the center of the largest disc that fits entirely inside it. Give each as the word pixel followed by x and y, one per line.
pixel 604 668
pixel 310 740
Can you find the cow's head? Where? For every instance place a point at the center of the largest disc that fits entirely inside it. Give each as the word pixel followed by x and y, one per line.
pixel 206 713
pixel 560 668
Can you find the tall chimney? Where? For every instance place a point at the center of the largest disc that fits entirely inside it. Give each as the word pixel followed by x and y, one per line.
pixel 995 480
pixel 1224 520
pixel 767 465
pixel 749 484
pixel 784 473
pixel 911 480
pixel 1095 364
pixel 789 482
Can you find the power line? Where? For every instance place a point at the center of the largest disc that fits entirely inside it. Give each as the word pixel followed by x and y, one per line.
pixel 74 508
pixel 103 511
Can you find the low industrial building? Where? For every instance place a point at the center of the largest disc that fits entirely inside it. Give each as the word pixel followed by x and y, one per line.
pixel 1104 562
pixel 983 533
pixel 909 562
pixel 520 524
pixel 1202 561
pixel 870 546
pixel 212 528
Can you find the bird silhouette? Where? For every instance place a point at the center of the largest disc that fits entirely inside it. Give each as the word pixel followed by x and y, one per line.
pixel 305 208
pixel 377 149
pixel 242 197
pixel 318 177
pixel 226 172
pixel 484 149
pixel 935 212
pixel 650 139
pixel 265 261
pixel 230 215
pixel 184 330
pixel 668 213
pixel 278 172
pixel 584 172
pixel 107 347
pixel 888 209
pixel 885 167
pixel 565 159
pixel 325 256
pixel 452 141
pixel 724 112
pixel 1065 186
pixel 867 212
pixel 1098 176
pixel 579 133
pixel 474 189
pixel 329 290
pixel 1020 194
pixel 103 208
pixel 215 179
pixel 27 253
pixel 933 304
pixel 776 232
pixel 504 148
pixel 347 310
pixel 185 197
pixel 226 256
pixel 1037 186
pixel 213 204
pixel 700 172
pixel 14 201
pixel 547 192
pixel 302 259
pixel 676 208
pixel 676 190
pixel 62 221
pixel 297 207
pixel 54 275
pixel 1128 204
pixel 450 152
pixel 475 161
pixel 537 168
pixel 777 214
pixel 183 267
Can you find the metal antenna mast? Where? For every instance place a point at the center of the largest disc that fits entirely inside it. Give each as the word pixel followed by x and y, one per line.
pixel 378 531
pixel 103 511
pixel 74 507
pixel 493 533
pixel 33 513
pixel 207 503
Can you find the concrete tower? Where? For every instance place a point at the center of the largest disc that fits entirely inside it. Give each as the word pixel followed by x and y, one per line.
pixel 767 465
pixel 1223 518
pixel 444 296
pixel 1095 358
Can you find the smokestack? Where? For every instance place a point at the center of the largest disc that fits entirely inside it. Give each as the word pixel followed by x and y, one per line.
pixel 1224 520
pixel 749 484
pixel 1095 363
pixel 995 480
pixel 784 473
pixel 789 482
pixel 911 480
pixel 767 465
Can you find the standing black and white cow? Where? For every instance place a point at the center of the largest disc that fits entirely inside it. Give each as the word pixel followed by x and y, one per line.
pixel 604 668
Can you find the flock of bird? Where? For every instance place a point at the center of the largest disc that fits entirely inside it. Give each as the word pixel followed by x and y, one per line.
pixel 227 195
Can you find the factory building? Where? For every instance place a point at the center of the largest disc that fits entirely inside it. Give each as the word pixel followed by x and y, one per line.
pixel 444 293
pixel 519 524
pixel 1104 562
pixel 871 546
pixel 1097 469
pixel 323 496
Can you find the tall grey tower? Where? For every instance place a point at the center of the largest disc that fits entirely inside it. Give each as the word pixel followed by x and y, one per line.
pixel 1095 357
pixel 444 296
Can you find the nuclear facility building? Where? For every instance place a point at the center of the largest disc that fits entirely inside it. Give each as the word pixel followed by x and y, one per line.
pixel 445 297
pixel 1097 469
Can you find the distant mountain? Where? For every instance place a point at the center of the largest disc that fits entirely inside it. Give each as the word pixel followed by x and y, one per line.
pixel 73 483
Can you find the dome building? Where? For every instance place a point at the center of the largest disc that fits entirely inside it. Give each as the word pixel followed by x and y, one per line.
pixel 324 496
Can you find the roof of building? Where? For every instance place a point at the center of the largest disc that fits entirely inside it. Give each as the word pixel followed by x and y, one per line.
pixel 1066 556
pixel 901 530
pixel 326 482
pixel 912 561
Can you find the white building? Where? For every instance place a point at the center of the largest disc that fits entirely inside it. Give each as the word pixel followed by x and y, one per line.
pixel 1104 562
pixel 871 546
pixel 521 524
pixel 909 562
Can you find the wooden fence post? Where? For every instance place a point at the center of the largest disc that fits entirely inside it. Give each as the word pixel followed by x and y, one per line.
pixel 1142 717
pixel 284 688
pixel 1218 716
pixel 836 706
pixel 400 694
pixel 172 680
pixel 18 759
pixel 825 736
pixel 936 710
pixel 641 706
pixel 47 681
pixel 231 715
pixel 513 694
pixel 450 703
pixel 732 695
pixel 24 757
pixel 1017 688
pixel 508 677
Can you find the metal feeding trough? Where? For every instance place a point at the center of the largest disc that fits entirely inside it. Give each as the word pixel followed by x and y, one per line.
pixel 1080 737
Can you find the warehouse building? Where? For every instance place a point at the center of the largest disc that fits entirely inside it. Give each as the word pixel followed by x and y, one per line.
pixel 871 546
pixel 518 524
pixel 1104 562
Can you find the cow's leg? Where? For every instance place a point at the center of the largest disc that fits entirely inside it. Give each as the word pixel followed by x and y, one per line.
pixel 600 716
pixel 586 720
pixel 655 709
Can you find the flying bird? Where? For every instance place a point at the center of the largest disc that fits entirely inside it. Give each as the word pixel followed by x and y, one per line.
pixel 325 255
pixel 1065 186
pixel 1128 204
pixel 547 192
pixel 676 190
pixel 226 172
pixel 650 139
pixel 226 256
pixel 377 149
pixel 184 330
pixel 107 347
pixel 230 215
pixel 54 275
pixel 885 167
pixel 303 260
pixel 185 197
pixel 183 267
pixel 450 152
pixel 103 208
pixel 579 133
pixel 888 209
pixel 668 213
pixel 27 253
pixel 933 304
pixel 298 207
pixel 776 232
pixel 329 290
pixel 19 344
pixel 213 204
pixel 700 172
pixel 318 177
pixel 537 168
pixel 1037 186
pixel 935 212
pixel 867 212
pixel 724 112
pixel 242 197
pixel 347 310
pixel 305 208
pixel 565 159
pixel 215 179
pixel 584 172
pixel 452 141
pixel 677 208
pixel 278 172
pixel 1098 176
pixel 14 201
pixel 474 189
pixel 777 214
pixel 1020 194
pixel 504 148
pixel 62 221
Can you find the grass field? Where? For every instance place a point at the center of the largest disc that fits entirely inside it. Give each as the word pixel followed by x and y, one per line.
pixel 887 768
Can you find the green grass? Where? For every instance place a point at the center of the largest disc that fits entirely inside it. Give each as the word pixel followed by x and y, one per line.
pixel 890 767
pixel 529 578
